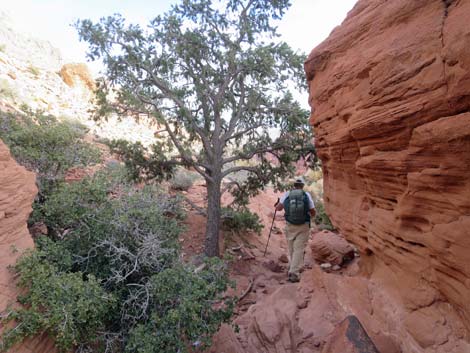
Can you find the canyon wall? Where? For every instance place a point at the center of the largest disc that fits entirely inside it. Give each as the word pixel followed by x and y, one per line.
pixel 390 97
pixel 17 192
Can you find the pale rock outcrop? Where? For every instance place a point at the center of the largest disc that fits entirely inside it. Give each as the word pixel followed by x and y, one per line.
pixel 32 73
pixel 390 97
pixel 24 49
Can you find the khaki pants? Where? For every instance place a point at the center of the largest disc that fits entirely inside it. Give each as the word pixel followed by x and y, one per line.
pixel 297 238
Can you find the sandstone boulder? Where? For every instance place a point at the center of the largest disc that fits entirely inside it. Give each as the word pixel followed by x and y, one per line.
pixel 329 247
pixel 76 75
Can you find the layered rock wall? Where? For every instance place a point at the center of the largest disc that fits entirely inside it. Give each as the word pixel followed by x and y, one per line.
pixel 390 97
pixel 17 192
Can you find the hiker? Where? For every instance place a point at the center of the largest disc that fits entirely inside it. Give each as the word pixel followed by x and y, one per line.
pixel 299 209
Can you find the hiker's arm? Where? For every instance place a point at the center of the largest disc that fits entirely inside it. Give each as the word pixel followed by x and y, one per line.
pixel 312 212
pixel 311 205
pixel 279 206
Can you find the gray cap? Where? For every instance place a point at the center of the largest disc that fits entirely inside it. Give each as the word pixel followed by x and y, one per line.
pixel 299 181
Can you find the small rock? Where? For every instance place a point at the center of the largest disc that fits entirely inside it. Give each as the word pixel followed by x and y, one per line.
pixel 273 266
pixel 303 304
pixel 326 266
pixel 283 258
pixel 336 268
pixel 307 335
pixel 261 285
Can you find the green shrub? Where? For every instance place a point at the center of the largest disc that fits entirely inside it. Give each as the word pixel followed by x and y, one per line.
pixel 34 70
pixel 241 221
pixel 142 163
pixel 67 204
pixel 113 270
pixel 70 307
pixel 321 217
pixel 185 322
pixel 46 145
pixel 183 179
pixel 6 90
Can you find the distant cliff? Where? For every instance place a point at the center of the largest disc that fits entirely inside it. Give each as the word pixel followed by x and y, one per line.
pixel 390 92
pixel 32 73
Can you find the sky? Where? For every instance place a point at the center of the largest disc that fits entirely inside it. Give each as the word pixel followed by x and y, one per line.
pixel 305 25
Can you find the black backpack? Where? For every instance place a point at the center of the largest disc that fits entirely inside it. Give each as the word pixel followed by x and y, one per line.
pixel 296 207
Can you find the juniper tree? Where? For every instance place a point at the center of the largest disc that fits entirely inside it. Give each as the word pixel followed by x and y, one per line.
pixel 213 74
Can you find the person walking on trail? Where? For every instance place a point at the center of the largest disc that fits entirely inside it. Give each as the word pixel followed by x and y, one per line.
pixel 299 209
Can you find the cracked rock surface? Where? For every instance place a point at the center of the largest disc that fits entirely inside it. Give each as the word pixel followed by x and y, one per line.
pixel 390 92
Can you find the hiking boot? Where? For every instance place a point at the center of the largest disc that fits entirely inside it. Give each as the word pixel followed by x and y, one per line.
pixel 293 278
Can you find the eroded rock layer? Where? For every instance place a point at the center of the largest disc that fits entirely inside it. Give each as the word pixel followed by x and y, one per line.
pixel 390 92
pixel 17 192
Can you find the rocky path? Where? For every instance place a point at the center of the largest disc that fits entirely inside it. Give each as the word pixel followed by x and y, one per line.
pixel 314 315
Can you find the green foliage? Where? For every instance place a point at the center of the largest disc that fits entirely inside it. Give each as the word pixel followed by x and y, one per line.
pixel 187 309
pixel 104 281
pixel 321 217
pixel 6 90
pixel 46 145
pixel 34 70
pixel 70 307
pixel 68 204
pixel 214 75
pixel 183 179
pixel 141 163
pixel 241 221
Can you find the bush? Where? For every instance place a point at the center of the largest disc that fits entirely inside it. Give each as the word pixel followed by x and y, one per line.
pixel 68 204
pixel 144 164
pixel 183 179
pixel 45 145
pixel 71 308
pixel 321 217
pixel 241 221
pixel 6 90
pixel 33 70
pixel 111 280
pixel 190 317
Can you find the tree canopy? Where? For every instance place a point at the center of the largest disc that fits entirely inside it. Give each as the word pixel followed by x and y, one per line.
pixel 215 76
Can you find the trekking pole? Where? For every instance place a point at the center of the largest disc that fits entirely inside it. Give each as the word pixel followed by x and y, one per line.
pixel 272 224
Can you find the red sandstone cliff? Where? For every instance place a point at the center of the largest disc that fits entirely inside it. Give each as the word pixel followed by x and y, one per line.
pixel 390 92
pixel 17 192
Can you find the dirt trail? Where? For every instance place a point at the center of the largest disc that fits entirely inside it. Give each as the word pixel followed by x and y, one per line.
pixel 277 316
pixel 274 315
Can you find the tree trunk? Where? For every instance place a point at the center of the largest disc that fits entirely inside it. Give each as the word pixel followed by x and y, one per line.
pixel 213 218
